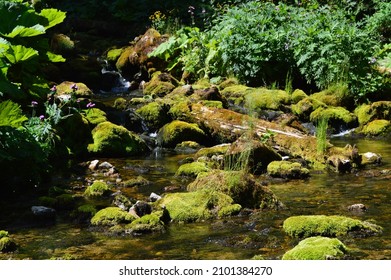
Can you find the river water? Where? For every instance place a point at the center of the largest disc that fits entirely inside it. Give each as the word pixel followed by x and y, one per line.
pixel 241 237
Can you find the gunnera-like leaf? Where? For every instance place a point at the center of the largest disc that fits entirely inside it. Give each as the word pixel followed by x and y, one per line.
pixel 11 114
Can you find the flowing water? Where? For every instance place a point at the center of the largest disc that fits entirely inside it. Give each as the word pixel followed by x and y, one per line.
pixel 241 237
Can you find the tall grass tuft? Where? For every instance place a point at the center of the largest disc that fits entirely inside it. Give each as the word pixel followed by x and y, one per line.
pixel 321 135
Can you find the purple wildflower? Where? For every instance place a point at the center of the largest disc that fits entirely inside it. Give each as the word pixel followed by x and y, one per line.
pixel 41 117
pixel 74 87
pixel 54 88
pixel 90 105
pixel 34 103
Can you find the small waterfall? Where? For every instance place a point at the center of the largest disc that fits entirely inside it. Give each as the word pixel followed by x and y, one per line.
pixel 121 84
pixel 343 133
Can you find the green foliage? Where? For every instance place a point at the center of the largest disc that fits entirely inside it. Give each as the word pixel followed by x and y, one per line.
pixel 24 48
pixel 11 114
pixel 321 135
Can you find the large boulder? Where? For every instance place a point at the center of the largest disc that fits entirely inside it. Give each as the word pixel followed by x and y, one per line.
pixel 177 131
pixel 338 117
pixel 317 248
pixel 240 186
pixel 113 140
pixel 330 226
pixel 154 114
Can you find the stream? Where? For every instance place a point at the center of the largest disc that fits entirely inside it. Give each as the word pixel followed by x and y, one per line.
pixel 239 237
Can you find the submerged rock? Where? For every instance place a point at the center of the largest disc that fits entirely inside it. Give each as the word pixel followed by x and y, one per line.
pixel 331 226
pixel 317 248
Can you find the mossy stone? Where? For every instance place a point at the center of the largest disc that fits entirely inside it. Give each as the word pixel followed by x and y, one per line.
pixel 212 151
pixel 97 189
pixel 317 248
pixel 123 59
pixel 330 226
pixel 228 82
pixel 262 98
pixel 113 140
pixel 305 107
pixel 363 113
pixel 180 110
pixel 111 216
pixel 95 116
pixel 192 169
pixel 135 182
pixel 298 95
pixel 336 116
pixel 212 103
pixel 160 85
pixel 240 186
pixel 153 222
pixel 120 104
pixel 377 127
pixel 113 55
pixel 336 96
pixel 195 206
pixel 155 114
pixel 177 131
pixel 286 169
pixel 7 244
pixel 66 88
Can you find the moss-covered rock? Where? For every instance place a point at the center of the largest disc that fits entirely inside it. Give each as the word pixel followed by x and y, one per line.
pixel 235 94
pixel 113 55
pixel 240 186
pixel 228 82
pixel 330 226
pixel 155 115
pixel 336 96
pixel 111 216
pixel 286 169
pixel 262 98
pixel 298 95
pixel 377 127
pixel 368 112
pixel 317 248
pixel 96 189
pixel 212 151
pixel 249 153
pixel 153 222
pixel 198 205
pixel 70 88
pixel 192 169
pixel 160 85
pixel 120 104
pixel 180 111
pixel 178 131
pixel 337 116
pixel 135 182
pixel 343 159
pixel 95 116
pixel 114 140
pixel 305 107
pixel 7 244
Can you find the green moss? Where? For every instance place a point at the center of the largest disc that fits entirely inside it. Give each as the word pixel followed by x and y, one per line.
pixel 336 115
pixel 114 140
pixel 286 169
pixel 95 116
pixel 111 216
pixel 317 248
pixel 212 103
pixel 97 188
pixel 240 186
pixel 160 85
pixel 298 95
pixel 192 169
pixel 228 83
pixel 331 226
pixel 123 59
pixel 148 223
pixel 212 151
pixel 262 98
pixel 202 84
pixel 47 201
pixel 363 113
pixel 154 114
pixel 178 131
pixel 195 206
pixel 65 201
pixel 113 55
pixel 305 107
pixel 187 145
pixel 87 209
pixel 135 182
pixel 336 95
pixel 377 127
pixel 6 242
pixel 229 210
pixel 180 110
pixel 235 91
pixel 120 104
pixel 66 88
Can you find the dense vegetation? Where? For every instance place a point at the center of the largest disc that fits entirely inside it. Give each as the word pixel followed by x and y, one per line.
pixel 308 44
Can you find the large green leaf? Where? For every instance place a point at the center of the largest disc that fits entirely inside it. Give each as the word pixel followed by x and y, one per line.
pixel 11 114
pixel 54 17
pixel 20 53
pixel 55 57
pixel 22 31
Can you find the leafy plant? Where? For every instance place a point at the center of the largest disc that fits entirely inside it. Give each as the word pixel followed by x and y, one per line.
pixel 24 50
pixel 321 135
pixel 11 114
